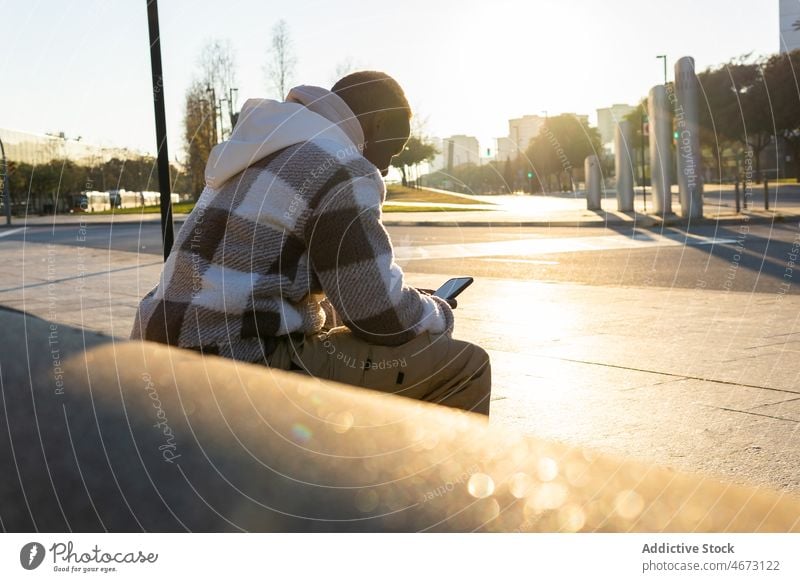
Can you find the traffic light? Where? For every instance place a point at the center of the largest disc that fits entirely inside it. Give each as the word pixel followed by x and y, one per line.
pixel 675 136
pixel 530 175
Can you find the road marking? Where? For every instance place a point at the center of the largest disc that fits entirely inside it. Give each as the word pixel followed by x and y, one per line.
pixel 12 231
pixel 547 246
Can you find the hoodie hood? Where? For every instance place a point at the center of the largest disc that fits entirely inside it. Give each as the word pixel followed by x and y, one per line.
pixel 330 106
pixel 266 126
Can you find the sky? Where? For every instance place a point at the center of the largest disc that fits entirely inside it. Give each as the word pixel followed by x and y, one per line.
pixel 83 66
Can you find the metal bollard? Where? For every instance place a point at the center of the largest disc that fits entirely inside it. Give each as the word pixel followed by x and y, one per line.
pixel 686 115
pixel 738 206
pixel 591 167
pixel 660 115
pixel 623 166
pixel 766 194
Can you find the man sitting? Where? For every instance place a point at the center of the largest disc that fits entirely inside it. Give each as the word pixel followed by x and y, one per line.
pixel 287 235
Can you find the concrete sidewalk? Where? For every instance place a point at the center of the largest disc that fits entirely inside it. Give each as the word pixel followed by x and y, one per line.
pixel 699 380
pixel 567 209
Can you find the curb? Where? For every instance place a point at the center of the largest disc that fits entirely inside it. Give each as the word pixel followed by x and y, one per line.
pixel 88 223
pixel 644 221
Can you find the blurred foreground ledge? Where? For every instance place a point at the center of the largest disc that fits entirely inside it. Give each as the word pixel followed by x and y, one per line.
pixel 102 435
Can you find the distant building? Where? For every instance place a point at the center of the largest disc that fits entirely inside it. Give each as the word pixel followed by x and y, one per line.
pixel 31 148
pixel 503 149
pixel 438 162
pixel 789 25
pixel 582 118
pixel 608 118
pixel 458 150
pixel 520 133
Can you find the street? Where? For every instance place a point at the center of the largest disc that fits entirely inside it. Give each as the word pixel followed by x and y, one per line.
pixel 654 344
pixel 748 258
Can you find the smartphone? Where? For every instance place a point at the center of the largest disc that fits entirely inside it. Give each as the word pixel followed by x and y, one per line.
pixel 453 288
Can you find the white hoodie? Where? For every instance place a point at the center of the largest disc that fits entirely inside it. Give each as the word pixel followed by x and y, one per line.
pixel 266 126
pixel 245 266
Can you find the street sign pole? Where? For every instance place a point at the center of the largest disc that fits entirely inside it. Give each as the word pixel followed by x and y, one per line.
pixel 161 127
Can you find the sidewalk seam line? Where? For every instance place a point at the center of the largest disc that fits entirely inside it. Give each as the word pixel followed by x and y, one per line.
pixel 672 374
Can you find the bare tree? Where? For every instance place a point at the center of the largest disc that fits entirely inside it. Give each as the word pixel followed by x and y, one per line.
pixel 205 107
pixel 344 68
pixel 281 60
pixel 419 122
pixel 199 134
pixel 218 66
pixel 218 77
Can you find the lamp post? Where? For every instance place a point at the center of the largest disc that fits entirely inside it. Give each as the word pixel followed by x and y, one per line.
pixel 232 105
pixel 212 100
pixel 221 119
pixel 161 127
pixel 665 67
pixel 6 193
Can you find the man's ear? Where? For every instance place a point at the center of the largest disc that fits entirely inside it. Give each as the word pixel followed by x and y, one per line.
pixel 374 123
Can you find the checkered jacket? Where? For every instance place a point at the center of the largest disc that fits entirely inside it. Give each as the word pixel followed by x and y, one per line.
pixel 256 258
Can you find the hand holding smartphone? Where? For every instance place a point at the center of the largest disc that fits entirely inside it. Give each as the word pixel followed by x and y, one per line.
pixel 450 289
pixel 453 288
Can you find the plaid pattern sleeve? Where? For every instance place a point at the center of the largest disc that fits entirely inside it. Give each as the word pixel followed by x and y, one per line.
pixel 352 256
pixel 256 257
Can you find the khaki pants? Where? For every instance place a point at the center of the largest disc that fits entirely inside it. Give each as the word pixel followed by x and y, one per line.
pixel 433 368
